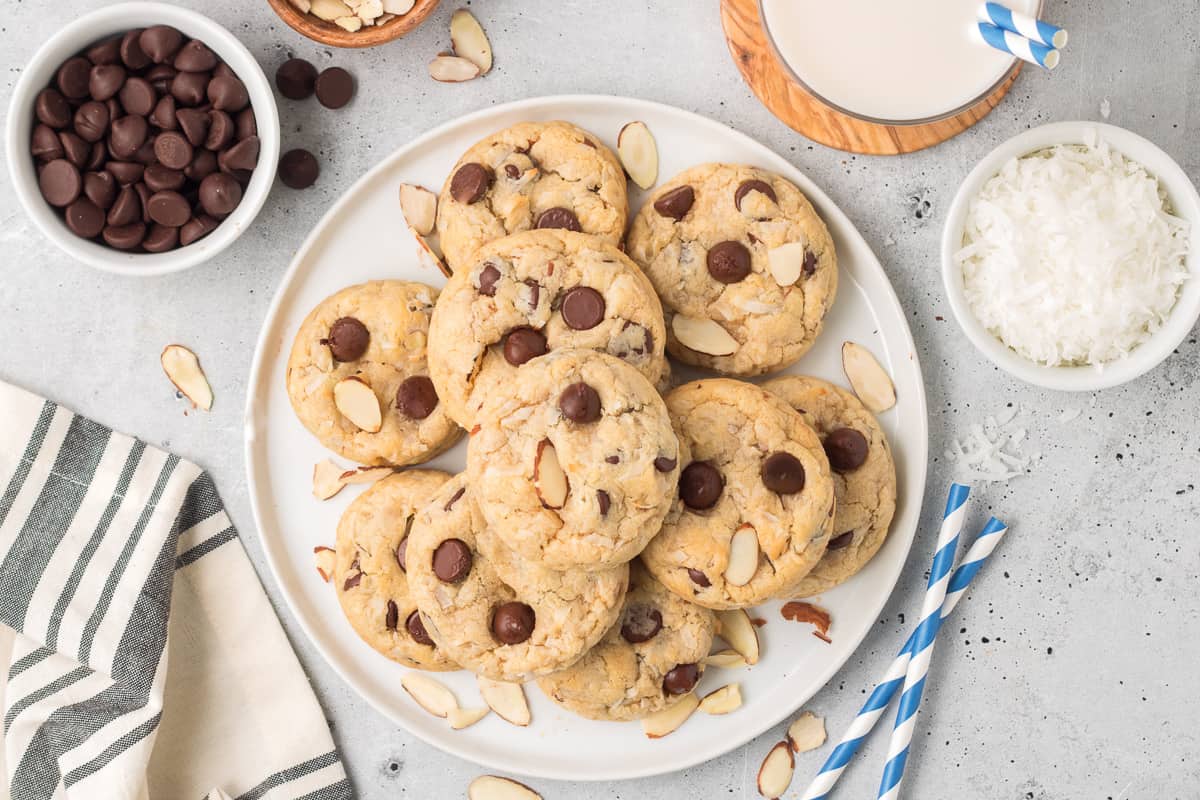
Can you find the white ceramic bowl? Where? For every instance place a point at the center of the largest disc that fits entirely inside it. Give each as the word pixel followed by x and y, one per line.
pixel 75 37
pixel 1186 204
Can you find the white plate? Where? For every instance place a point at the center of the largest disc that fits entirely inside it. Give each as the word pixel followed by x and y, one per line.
pixel 363 237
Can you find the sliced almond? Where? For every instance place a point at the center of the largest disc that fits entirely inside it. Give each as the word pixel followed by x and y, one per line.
pixel 429 694
pixel 506 699
pixel 786 262
pixel 453 69
pixel 743 556
pixel 703 336
pixel 329 10
pixel 327 479
pixel 802 611
pixel 465 717
pixel 419 206
pixel 325 557
pixel 398 6
pixel 303 6
pixel 722 701
pixel 726 659
pixel 549 480
pixel 357 402
pixel 775 774
pixel 183 369
pixel 807 732
pixel 469 40
pixel 639 153
pixel 867 377
pixel 739 633
pixel 660 723
pixel 366 474
pixel 427 255
pixel 369 10
pixel 352 24
pixel 493 787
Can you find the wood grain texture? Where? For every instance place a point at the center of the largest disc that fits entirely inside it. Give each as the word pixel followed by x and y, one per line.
pixel 327 33
pixel 795 106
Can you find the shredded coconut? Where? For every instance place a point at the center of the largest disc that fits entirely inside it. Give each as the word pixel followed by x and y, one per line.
pixel 1071 255
pixel 994 450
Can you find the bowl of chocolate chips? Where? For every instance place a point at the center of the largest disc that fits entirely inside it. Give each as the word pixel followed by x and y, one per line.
pixel 142 138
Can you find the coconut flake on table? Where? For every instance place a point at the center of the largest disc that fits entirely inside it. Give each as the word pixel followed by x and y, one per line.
pixel 994 450
pixel 1072 256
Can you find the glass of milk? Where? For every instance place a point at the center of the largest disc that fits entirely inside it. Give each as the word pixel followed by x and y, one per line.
pixel 886 61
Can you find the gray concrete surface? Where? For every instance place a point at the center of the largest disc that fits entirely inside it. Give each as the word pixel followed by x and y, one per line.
pixel 1073 669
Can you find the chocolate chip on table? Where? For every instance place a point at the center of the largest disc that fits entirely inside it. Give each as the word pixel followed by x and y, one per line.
pixel 700 485
pixel 91 121
pixel 676 203
pixel 298 169
pixel 188 87
pixel 60 182
pixel 348 339
pixel 84 218
pixel 523 343
pixel 391 618
pixel 73 78
pixel 452 561
pixel 846 449
pixel 840 541
pixel 559 217
pixel 728 262
pixel 699 578
pixel 45 144
pixel 124 237
pixel 512 623
pixel 126 208
pixel 487 280
pixel 132 54
pixel 580 403
pixel 219 194
pixel 416 629
pixel 196 228
pixel 416 398
pixel 754 185
pixel 137 96
pixel 296 79
pixel 168 208
pixel 682 679
pixel 582 308
pixel 641 624
pixel 227 93
pixel 173 150
pixel 470 183
pixel 52 109
pixel 782 473
pixel 664 464
pixel 160 238
pixel 334 87
pixel 160 42
pixel 195 57
pixel 603 501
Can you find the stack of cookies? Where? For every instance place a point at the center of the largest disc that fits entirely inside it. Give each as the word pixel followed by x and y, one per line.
pixel 603 515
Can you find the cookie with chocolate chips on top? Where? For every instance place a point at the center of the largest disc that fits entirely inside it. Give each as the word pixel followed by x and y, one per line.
pixel 745 267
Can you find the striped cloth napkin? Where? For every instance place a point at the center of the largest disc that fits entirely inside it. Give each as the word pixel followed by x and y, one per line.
pixel 139 656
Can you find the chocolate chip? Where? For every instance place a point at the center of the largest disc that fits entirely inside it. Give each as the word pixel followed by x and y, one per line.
pixel 243 155
pixel 126 209
pixel 348 339
pixel 97 157
pixel 173 150
pixel 195 57
pixel 641 623
pixel 143 193
pixel 296 79
pixel 100 188
pixel 126 173
pixel 137 97
pixel 487 280
pixel 682 679
pixel 512 623
pixel 470 183
pixel 580 403
pixel 126 136
pixel 522 344
pixel 60 182
pixel 298 169
pixel 728 262
pixel 160 238
pixel 220 194
pixel 676 203
pixel 604 501
pixel 452 561
pixel 159 178
pixel 245 124
pixel 160 42
pixel 160 77
pixel 45 144
pixel 699 578
pixel 782 473
pixel 163 115
pixel 416 398
pixel 840 541
pixel 75 149
pixel 846 449
pixel 204 163
pixel 700 485
pixel 223 70
pixel 755 185
pixel 107 51
pixel 91 121
pixel 52 109
pixel 125 237
pixel 105 81
pixel 168 208
pixel 810 263
pixel 559 217
pixel 334 87
pixel 132 54
pixel 196 228
pixel 227 93
pixel 402 552
pixel 512 171
pixel 454 499
pixel 416 629
pixel 583 308
pixel 85 218
pixel 73 78
pixel 188 87
pixel 617 460
pixel 664 464
pixel 392 618
pixel 220 130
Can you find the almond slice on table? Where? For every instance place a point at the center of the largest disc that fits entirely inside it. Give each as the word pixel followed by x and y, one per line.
pixel 453 69
pixel 460 718
pixel 366 474
pixel 325 557
pixel 419 206
pixel 506 699
pixel 660 723
pixel 183 369
pixel 775 774
pixel 327 479
pixel 493 787
pixel 549 480
pixel 703 336
pixel 868 379
pixel 807 732
pixel 726 659
pixel 469 40
pixel 743 556
pixel 639 153
pixel 428 255
pixel 357 402
pixel 739 633
pixel 786 262
pixel 722 701
pixel 429 694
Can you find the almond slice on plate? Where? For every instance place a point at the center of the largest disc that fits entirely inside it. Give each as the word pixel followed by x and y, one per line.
pixel 460 718
pixel 506 699
pixel 419 206
pixel 638 153
pixel 469 40
pixel 357 402
pixel 430 695
pixel 807 732
pixel 722 701
pixel 183 369
pixel 453 69
pixel 549 480
pixel 775 774
pixel 493 787
pixel 739 633
pixel 327 479
pixel 366 474
pixel 325 557
pixel 868 379
pixel 660 723
pixel 703 336
pixel 743 556
pixel 726 659
pixel 428 255
pixel 786 262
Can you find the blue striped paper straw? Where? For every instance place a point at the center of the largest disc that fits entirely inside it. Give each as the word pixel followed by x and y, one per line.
pixel 1023 25
pixel 881 696
pixel 926 639
pixel 1017 45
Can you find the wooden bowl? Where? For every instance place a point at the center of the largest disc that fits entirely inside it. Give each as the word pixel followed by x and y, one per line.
pixel 327 33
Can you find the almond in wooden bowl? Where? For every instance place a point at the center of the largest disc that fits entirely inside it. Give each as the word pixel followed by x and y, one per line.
pixel 348 33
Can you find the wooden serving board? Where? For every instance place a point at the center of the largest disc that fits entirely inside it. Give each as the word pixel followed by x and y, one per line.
pixel 800 110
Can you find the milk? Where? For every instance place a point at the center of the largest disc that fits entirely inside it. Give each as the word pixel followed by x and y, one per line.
pixel 889 59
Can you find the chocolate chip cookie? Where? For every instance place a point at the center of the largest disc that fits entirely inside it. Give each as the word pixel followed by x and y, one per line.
pixel 744 266
pixel 374 333
pixel 369 571
pixel 532 293
pixel 532 175
pixel 574 461
pixel 864 476
pixel 755 502
pixel 494 612
pixel 649 660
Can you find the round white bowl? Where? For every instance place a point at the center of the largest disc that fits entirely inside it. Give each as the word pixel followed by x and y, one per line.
pixel 74 38
pixel 1185 203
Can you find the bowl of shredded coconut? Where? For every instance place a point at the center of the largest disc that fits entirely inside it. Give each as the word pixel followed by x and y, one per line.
pixel 1067 256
